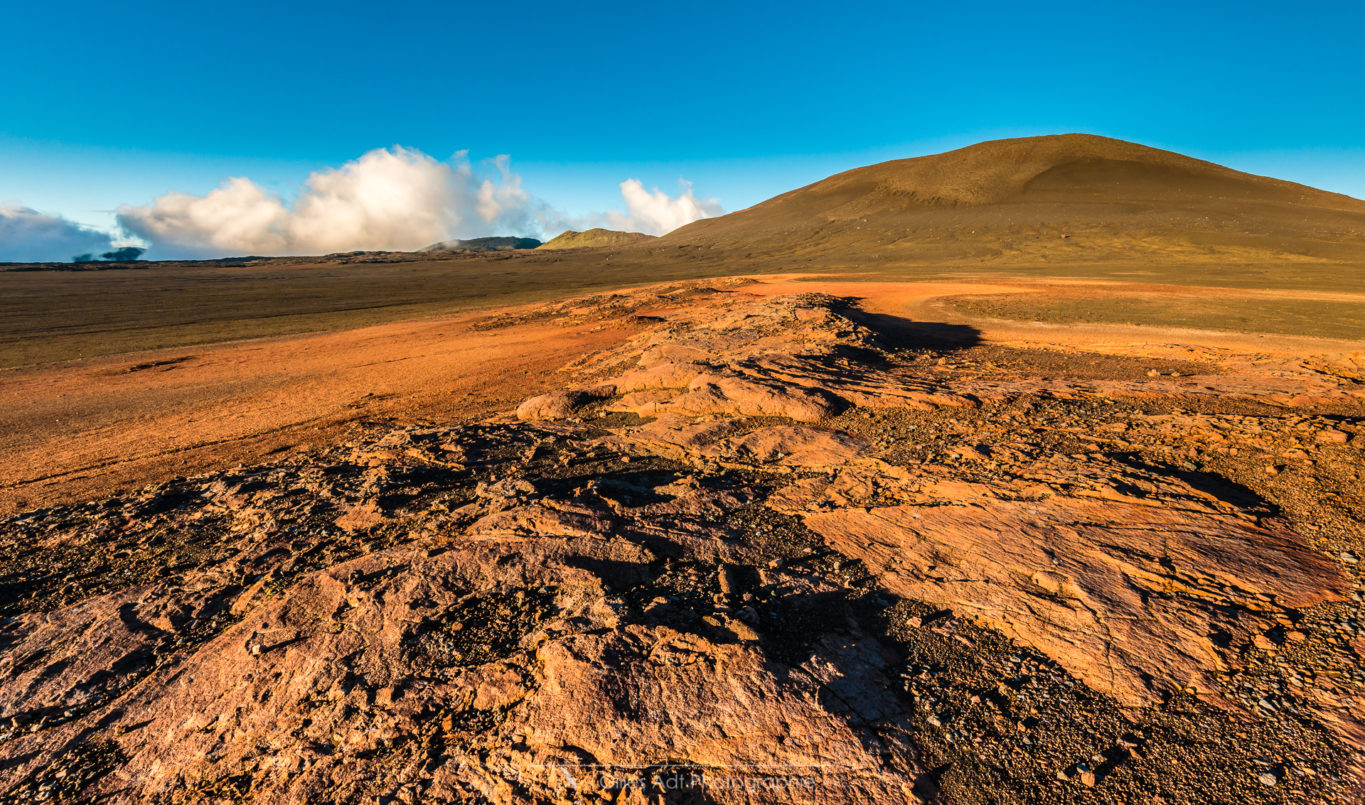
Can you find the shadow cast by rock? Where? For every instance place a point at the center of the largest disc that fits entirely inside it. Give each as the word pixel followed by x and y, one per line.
pixel 899 333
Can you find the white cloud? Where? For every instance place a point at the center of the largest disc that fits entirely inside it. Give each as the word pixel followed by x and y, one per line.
pixel 236 218
pixel 505 200
pixel 29 235
pixel 656 213
pixel 396 198
pixel 388 199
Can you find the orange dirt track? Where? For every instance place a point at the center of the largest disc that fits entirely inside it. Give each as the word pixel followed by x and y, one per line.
pixel 77 429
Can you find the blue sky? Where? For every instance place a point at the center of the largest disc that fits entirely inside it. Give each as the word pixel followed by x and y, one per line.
pixel 116 103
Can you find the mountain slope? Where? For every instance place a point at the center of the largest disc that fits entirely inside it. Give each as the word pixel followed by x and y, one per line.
pixel 1069 196
pixel 490 244
pixel 594 238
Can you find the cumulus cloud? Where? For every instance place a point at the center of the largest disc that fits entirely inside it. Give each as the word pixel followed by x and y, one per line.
pixel 657 213
pixel 390 198
pixel 29 235
pixel 235 218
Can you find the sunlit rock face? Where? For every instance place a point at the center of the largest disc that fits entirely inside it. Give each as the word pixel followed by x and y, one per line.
pixel 772 549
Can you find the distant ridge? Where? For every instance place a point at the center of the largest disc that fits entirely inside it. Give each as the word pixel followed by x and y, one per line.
pixel 1071 197
pixel 493 244
pixel 594 238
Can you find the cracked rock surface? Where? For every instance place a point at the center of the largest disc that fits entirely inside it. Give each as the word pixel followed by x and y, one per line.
pixel 774 549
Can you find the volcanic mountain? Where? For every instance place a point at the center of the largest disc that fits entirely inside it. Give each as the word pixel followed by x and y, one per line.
pixel 1063 197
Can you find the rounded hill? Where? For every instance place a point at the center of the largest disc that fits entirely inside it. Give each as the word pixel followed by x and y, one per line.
pixel 1061 197
pixel 594 238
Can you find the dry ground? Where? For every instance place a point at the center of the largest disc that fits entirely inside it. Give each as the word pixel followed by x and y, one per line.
pixel 875 536
pixel 80 428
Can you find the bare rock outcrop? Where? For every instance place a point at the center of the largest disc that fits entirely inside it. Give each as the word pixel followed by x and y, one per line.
pixel 763 552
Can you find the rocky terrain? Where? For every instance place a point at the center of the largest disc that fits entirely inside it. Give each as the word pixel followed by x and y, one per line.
pixel 775 547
